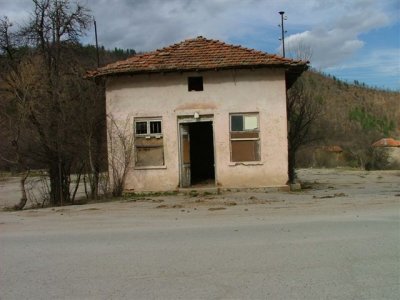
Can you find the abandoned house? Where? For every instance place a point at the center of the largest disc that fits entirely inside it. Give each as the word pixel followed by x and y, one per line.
pixel 203 113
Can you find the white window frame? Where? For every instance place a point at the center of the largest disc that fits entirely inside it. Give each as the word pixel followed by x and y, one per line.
pixel 148 120
pixel 148 135
pixel 250 130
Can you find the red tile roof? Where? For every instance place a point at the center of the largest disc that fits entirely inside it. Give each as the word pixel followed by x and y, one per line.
pixel 387 142
pixel 195 55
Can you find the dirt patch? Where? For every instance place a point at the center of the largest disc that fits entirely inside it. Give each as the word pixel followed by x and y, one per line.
pixel 339 186
pixel 216 208
pixel 331 196
pixel 170 206
pixel 162 206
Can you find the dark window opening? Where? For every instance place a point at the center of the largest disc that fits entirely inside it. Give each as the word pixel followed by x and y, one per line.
pixel 141 127
pixel 237 123
pixel 155 127
pixel 195 83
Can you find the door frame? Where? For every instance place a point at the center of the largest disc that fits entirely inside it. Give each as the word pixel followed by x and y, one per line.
pixel 187 120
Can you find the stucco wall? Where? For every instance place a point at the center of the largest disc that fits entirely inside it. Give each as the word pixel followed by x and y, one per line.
pixel 393 157
pixel 225 92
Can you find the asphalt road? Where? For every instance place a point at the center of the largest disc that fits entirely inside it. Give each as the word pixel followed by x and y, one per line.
pixel 351 256
pixel 339 239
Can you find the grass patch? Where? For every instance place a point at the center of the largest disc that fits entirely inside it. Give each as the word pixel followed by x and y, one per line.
pixel 193 193
pixel 130 195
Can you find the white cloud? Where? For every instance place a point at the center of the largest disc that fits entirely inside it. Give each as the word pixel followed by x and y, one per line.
pixel 383 61
pixel 335 41
pixel 145 25
pixel 17 11
pixel 380 67
pixel 332 28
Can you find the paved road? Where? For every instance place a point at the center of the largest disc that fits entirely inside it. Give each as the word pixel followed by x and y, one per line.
pixel 350 256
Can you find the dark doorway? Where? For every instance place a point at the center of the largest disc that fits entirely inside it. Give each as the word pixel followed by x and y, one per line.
pixel 201 153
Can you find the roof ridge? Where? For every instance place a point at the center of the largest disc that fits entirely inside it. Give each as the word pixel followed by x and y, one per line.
pixel 199 53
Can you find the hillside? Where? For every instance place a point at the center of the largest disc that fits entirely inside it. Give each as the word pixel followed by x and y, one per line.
pixel 353 116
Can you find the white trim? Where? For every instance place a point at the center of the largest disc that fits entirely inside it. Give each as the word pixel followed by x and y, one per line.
pixel 246 163
pixel 148 136
pixel 257 130
pixel 150 167
pixel 148 120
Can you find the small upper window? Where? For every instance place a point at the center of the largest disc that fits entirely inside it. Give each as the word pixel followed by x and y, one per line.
pixel 195 83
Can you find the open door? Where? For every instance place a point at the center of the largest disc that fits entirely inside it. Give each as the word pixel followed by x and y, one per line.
pixel 197 166
pixel 185 155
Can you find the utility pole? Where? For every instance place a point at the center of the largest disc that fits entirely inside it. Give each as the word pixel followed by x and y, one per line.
pixel 283 32
pixel 97 45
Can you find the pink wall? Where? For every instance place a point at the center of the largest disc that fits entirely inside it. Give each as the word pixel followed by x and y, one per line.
pixel 225 92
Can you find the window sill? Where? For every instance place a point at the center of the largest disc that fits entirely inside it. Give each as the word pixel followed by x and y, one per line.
pixel 246 163
pixel 150 168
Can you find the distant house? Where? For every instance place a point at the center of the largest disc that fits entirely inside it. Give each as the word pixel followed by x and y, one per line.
pixel 203 112
pixel 391 148
pixel 386 142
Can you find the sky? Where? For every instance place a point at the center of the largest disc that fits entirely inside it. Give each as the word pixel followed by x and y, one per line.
pixel 350 39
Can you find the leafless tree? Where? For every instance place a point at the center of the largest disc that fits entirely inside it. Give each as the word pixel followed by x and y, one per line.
pixel 16 157
pixel 303 109
pixel 299 50
pixel 44 79
pixel 120 150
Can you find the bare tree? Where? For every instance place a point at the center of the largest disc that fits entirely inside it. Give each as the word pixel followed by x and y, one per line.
pixel 44 79
pixel 18 159
pixel 13 113
pixel 94 134
pixel 303 109
pixel 299 49
pixel 120 150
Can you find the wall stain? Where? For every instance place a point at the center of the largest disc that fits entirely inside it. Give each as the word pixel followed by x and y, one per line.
pixel 196 106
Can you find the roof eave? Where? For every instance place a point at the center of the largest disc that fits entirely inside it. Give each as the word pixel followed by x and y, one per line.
pixel 294 73
pixel 292 68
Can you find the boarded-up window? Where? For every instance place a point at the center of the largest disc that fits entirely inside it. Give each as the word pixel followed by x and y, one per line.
pixel 245 137
pixel 149 145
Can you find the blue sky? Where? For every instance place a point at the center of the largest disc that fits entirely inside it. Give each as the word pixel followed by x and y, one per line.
pixel 351 39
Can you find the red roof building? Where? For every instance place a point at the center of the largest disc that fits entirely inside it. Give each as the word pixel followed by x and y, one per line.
pixel 386 142
pixel 201 112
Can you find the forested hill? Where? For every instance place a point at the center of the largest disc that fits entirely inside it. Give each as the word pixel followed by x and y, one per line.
pixel 347 107
pixel 353 115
